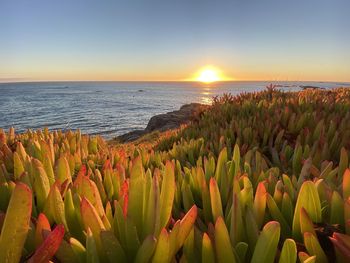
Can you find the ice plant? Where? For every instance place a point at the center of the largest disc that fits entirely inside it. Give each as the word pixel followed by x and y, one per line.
pixel 258 177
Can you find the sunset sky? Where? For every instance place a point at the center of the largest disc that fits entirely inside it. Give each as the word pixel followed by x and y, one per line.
pixel 173 39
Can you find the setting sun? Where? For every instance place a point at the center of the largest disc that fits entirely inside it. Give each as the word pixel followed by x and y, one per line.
pixel 208 75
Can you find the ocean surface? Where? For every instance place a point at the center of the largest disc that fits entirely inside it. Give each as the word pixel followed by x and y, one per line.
pixel 110 108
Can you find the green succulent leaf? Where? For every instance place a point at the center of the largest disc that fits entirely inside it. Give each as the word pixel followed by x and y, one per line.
pixel 92 222
pixel 223 247
pixel 16 224
pixel 62 172
pixel 289 252
pixel 78 249
pixel 306 224
pixel 54 206
pixel 260 204
pixel 208 254
pixel 145 252
pixel 343 162
pixel 166 197
pixel 309 199
pixel 136 192
pixel 17 166
pixel 91 249
pixel 266 246
pixel 314 248
pixel 112 248
pixel 215 199
pixel 161 253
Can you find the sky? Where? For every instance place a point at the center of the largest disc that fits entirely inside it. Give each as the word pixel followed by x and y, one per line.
pixel 173 39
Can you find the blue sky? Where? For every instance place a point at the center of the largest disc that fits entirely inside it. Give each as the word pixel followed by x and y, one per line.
pixel 171 40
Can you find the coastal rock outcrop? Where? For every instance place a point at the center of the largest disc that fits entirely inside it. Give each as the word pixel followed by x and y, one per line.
pixel 310 87
pixel 167 121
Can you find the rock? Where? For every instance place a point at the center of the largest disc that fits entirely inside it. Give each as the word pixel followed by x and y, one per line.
pixel 131 136
pixel 174 119
pixel 166 121
pixel 310 87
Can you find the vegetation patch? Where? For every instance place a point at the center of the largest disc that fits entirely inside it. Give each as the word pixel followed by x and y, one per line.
pixel 258 177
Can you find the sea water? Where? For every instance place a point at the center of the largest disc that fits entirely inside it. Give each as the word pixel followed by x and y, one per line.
pixel 110 108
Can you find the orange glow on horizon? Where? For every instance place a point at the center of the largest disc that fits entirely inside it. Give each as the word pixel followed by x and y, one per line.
pixel 206 74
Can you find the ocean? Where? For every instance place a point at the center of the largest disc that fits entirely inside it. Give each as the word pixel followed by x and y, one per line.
pixel 110 108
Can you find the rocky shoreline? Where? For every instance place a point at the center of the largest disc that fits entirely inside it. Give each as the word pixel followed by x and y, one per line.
pixel 174 119
pixel 167 121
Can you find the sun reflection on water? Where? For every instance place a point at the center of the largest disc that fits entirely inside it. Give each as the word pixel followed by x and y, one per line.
pixel 206 96
pixel 206 100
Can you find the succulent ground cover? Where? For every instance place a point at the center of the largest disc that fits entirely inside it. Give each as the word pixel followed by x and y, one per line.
pixel 259 177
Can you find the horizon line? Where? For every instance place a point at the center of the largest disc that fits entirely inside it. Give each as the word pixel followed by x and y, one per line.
pixel 195 81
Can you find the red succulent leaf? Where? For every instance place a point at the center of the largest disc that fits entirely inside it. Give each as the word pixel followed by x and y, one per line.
pixel 82 170
pixel 49 247
pixel 125 205
pixel 42 224
pixel 63 187
pixel 340 246
pixel 107 165
pixel 124 194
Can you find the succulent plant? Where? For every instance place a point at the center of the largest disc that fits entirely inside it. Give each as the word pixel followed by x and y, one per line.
pixel 259 177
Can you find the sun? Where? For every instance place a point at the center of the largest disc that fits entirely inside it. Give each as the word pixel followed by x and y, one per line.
pixel 208 75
